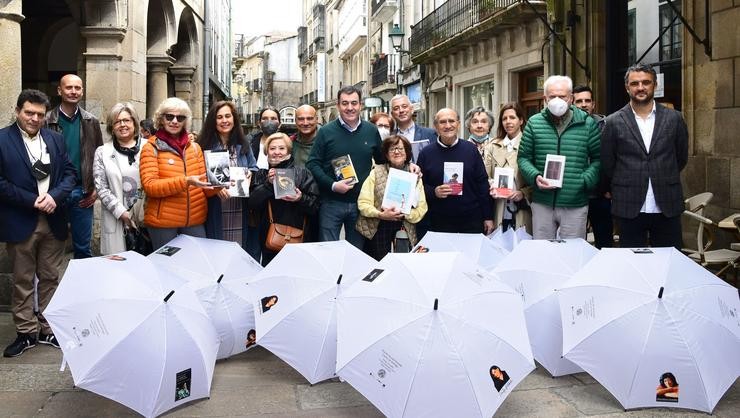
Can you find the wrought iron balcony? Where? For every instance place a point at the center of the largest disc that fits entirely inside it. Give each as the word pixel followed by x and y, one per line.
pixel 384 70
pixel 465 21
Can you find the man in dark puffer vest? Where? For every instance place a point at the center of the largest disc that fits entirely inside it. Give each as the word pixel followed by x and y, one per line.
pixel 560 129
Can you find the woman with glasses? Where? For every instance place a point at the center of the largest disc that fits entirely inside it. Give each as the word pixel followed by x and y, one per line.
pixel 222 132
pixel 116 177
pixel 380 224
pixel 173 175
pixel 385 124
pixel 511 207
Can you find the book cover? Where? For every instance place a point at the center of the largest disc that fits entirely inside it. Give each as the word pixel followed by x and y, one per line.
pixel 503 181
pixel 217 167
pixel 453 176
pixel 284 182
pixel 239 183
pixel 554 169
pixel 343 169
pixel 416 147
pixel 400 190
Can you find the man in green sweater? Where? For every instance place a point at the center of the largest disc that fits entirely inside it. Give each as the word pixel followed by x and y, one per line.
pixel 345 136
pixel 561 129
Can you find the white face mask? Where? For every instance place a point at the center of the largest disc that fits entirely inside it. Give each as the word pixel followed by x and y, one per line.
pixel 384 133
pixel 557 106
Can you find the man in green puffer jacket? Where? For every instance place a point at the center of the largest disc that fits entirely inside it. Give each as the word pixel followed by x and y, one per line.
pixel 560 129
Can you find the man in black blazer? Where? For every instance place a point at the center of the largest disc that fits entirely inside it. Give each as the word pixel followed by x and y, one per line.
pixel 403 114
pixel 36 176
pixel 644 147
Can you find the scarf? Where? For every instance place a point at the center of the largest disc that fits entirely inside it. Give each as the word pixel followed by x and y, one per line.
pixel 129 152
pixel 178 143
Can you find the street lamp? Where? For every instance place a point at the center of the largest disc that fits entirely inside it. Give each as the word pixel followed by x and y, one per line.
pixel 396 34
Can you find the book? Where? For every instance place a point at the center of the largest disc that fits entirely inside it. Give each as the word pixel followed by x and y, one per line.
pixel 416 147
pixel 554 169
pixel 503 181
pixel 453 176
pixel 217 167
pixel 284 182
pixel 400 190
pixel 343 169
pixel 239 182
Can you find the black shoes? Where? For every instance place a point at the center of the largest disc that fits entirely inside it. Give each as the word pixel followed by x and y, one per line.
pixel 48 339
pixel 22 343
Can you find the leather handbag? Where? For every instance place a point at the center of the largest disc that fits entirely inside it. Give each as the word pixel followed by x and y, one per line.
pixel 279 234
pixel 137 239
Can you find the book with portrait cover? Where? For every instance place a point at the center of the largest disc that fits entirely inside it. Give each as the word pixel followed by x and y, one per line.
pixel 453 177
pixel 503 181
pixel 239 183
pixel 284 182
pixel 554 169
pixel 343 169
pixel 400 190
pixel 217 167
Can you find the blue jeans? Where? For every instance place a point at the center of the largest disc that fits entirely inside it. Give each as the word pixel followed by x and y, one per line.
pixel 80 223
pixel 332 215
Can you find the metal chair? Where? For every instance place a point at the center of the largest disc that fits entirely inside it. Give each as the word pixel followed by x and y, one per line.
pixel 696 204
pixel 736 245
pixel 726 258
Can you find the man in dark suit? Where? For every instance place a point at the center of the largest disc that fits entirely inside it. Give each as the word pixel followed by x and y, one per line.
pixel 403 113
pixel 36 176
pixel 644 147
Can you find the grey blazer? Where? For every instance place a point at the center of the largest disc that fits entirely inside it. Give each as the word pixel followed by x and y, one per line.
pixel 629 165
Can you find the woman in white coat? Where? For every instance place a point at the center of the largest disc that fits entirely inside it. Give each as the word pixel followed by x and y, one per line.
pixel 116 175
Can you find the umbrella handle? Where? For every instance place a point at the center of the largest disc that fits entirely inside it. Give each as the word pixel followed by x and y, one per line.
pixel 169 295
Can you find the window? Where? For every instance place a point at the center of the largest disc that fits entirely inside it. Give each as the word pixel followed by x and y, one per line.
pixel 477 95
pixel 670 41
pixel 631 37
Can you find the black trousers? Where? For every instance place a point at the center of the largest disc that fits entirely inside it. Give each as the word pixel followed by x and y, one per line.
pixel 600 215
pixel 650 229
pixel 469 225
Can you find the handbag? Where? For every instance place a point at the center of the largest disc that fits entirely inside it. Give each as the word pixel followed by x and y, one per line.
pixel 279 234
pixel 138 239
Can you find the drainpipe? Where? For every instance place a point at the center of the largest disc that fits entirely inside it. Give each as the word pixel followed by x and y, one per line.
pixel 206 59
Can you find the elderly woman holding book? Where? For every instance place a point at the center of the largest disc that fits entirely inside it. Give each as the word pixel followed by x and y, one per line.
pixel 380 223
pixel 512 208
pixel 283 193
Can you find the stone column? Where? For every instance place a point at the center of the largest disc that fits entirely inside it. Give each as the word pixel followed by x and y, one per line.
pixel 10 59
pixel 157 67
pixel 102 68
pixel 183 81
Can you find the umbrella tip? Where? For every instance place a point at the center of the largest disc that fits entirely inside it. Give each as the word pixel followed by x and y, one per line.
pixel 339 280
pixel 169 295
pixel 436 304
pixel 220 278
pixel 660 293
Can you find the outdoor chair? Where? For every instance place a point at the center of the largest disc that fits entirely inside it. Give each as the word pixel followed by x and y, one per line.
pixel 736 245
pixel 696 204
pixel 725 258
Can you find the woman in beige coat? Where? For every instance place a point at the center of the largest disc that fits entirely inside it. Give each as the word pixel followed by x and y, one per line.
pixel 512 208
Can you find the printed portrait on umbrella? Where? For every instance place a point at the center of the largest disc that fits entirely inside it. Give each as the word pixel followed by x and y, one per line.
pixel 667 390
pixel 251 338
pixel 499 377
pixel 268 302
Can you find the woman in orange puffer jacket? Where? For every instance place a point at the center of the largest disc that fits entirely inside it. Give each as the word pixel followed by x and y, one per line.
pixel 173 175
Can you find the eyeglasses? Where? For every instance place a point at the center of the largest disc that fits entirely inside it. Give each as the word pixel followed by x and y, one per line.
pixel 123 121
pixel 170 116
pixel 380 125
pixel 397 149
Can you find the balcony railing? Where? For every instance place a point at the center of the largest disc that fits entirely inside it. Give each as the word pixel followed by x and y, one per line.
pixel 384 70
pixel 453 18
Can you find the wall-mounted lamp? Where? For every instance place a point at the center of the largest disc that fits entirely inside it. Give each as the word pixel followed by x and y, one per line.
pixel 396 34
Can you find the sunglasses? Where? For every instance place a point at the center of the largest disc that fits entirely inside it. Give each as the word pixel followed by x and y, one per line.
pixel 170 116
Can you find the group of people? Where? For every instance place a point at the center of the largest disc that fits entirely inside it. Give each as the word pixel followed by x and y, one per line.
pixel 153 174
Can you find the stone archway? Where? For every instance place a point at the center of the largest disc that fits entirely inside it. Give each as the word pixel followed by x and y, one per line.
pixel 184 53
pixel 161 35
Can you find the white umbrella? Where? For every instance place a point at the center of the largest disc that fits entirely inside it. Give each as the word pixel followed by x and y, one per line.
pixel 218 272
pixel 425 334
pixel 510 239
pixel 535 269
pixel 295 303
pixel 128 336
pixel 475 246
pixel 648 322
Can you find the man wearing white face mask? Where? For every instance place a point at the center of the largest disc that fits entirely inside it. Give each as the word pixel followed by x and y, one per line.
pixel 560 129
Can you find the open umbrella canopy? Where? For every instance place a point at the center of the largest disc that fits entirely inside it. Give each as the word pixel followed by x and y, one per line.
pixel 535 268
pixel 648 322
pixel 510 239
pixel 432 335
pixel 475 246
pixel 128 336
pixel 295 303
pixel 218 272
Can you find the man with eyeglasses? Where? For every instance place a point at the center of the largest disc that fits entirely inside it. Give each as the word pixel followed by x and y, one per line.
pixel 560 130
pixel 36 176
pixel 469 209
pixel 347 135
pixel 82 136
pixel 644 148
